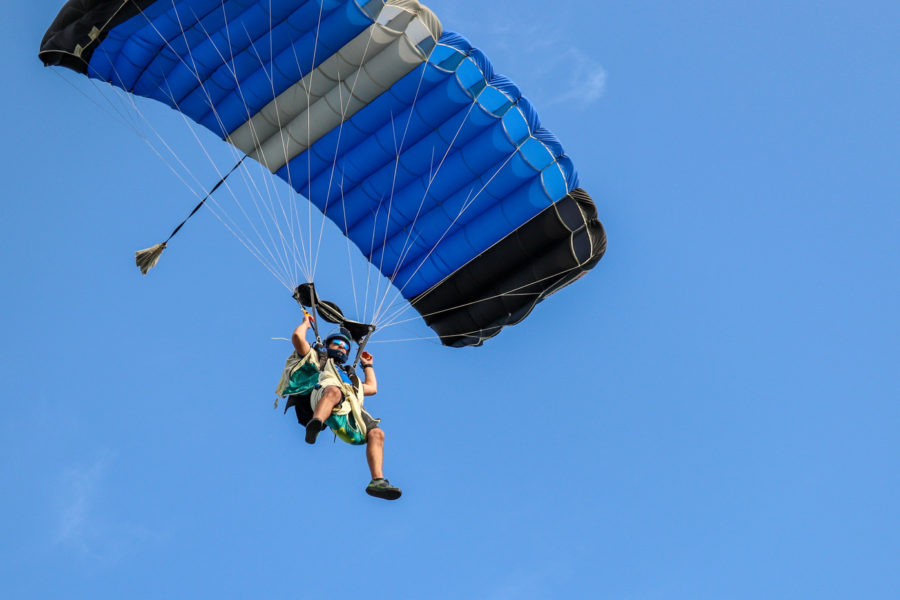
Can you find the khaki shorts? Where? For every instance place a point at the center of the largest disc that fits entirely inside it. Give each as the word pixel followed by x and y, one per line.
pixel 316 395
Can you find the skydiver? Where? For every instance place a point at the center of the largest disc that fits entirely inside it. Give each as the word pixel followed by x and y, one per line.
pixel 336 392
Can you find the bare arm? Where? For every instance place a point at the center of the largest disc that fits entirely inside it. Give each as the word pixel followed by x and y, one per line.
pixel 299 337
pixel 370 384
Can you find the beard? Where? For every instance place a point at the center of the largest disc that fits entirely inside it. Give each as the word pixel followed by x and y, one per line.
pixel 339 356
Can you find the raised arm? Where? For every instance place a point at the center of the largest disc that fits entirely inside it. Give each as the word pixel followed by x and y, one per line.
pixel 370 384
pixel 299 337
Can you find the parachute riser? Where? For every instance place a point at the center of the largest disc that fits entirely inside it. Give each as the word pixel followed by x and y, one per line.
pixel 362 345
pixel 312 321
pixel 306 296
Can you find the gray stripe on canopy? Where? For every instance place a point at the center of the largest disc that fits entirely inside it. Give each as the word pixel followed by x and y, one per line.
pixel 400 40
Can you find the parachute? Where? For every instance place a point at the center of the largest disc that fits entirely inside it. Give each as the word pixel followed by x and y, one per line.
pixel 434 166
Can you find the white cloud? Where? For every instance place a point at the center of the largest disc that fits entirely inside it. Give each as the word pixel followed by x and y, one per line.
pixel 532 583
pixel 82 524
pixel 558 71
pixel 79 490
pixel 575 77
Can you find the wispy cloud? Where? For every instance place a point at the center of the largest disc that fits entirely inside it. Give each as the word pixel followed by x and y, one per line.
pixel 80 486
pixel 567 74
pixel 581 80
pixel 83 526
pixel 534 583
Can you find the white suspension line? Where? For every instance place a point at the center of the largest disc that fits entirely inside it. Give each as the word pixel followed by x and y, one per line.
pixel 399 150
pixel 218 118
pixel 462 210
pixel 349 251
pixel 511 292
pixel 215 209
pixel 387 219
pixel 312 74
pixel 447 230
pixel 288 220
pixel 120 115
pixel 344 110
pixel 407 246
pixel 257 198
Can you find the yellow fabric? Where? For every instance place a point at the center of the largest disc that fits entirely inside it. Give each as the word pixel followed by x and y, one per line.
pixel 353 396
pixel 294 361
pixel 329 376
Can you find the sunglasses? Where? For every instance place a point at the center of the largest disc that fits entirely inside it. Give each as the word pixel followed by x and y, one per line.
pixel 344 345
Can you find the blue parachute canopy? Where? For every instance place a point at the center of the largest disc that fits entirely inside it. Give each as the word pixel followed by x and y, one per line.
pixel 436 167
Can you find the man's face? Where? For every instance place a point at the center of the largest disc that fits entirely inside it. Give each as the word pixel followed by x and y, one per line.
pixel 339 345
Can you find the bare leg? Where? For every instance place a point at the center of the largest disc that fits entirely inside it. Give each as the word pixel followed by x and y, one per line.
pixel 379 486
pixel 375 452
pixel 331 397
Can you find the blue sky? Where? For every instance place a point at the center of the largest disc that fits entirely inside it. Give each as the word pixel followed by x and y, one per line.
pixel 712 412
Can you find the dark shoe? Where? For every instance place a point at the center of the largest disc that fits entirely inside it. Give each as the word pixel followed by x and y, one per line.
pixel 382 488
pixel 312 430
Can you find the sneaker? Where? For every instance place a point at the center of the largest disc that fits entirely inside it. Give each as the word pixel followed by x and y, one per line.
pixel 312 430
pixel 382 488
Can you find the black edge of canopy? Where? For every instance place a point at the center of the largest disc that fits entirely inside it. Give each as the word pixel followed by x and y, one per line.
pixel 305 295
pixel 68 41
pixel 502 285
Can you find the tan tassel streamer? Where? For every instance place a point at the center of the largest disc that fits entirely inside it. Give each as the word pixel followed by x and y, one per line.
pixel 147 258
